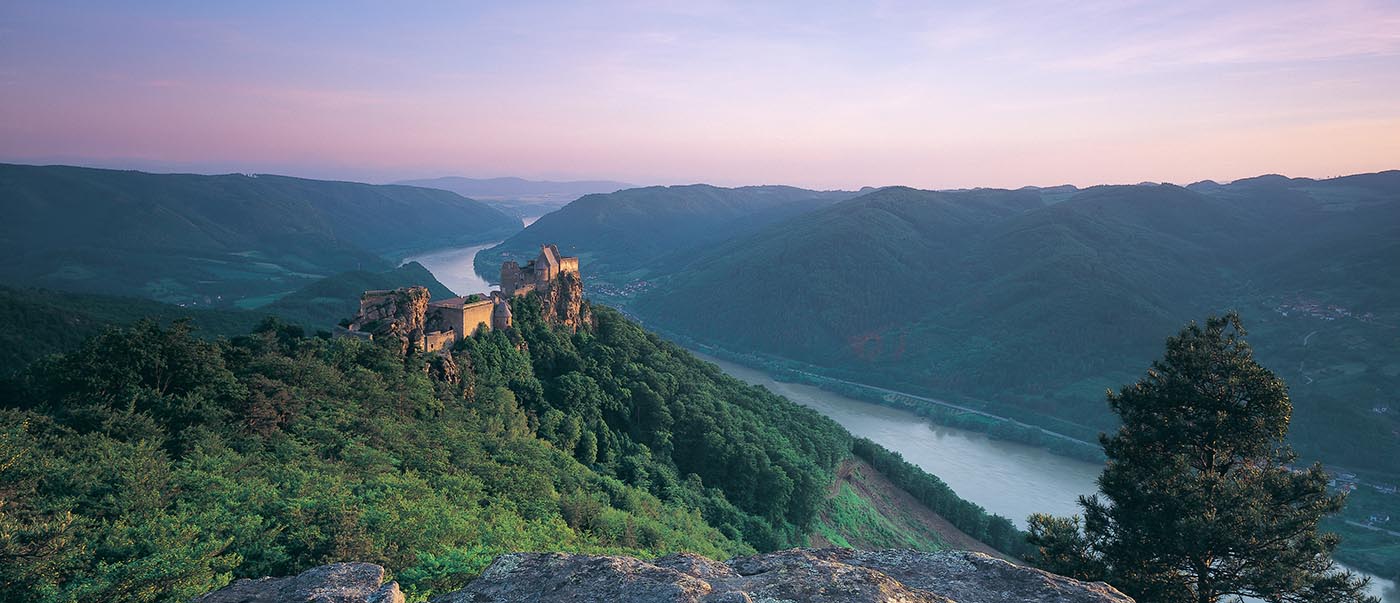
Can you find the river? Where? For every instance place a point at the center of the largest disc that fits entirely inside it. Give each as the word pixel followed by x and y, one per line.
pixel 1012 480
pixel 453 267
pixel 1009 479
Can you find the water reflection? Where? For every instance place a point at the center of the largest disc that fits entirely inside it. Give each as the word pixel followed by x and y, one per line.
pixel 453 267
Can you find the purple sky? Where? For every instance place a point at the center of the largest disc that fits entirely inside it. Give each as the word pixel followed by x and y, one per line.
pixel 995 93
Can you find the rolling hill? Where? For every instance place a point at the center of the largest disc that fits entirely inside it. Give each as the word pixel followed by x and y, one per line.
pixel 625 237
pixel 216 240
pixel 1032 303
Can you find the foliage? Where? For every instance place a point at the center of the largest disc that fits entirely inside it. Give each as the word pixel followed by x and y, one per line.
pixel 150 465
pixel 1198 502
pixel 40 322
pixel 995 530
pixel 849 516
pixel 646 411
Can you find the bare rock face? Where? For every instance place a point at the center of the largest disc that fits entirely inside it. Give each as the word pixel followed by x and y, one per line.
pixel 443 367
pixel 817 576
pixel 563 302
pixel 397 315
pixel 334 583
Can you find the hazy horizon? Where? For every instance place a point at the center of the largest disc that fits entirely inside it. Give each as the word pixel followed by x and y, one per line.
pixel 1005 94
pixel 211 170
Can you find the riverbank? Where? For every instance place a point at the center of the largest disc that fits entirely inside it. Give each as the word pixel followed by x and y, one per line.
pixel 958 415
pixel 454 268
pixel 1007 478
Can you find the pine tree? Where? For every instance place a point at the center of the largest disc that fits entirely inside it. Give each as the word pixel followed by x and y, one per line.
pixel 1197 502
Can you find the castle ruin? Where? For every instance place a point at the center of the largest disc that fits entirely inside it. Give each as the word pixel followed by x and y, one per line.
pixel 537 274
pixel 419 323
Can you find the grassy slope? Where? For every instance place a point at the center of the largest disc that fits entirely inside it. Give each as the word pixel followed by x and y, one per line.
pixel 865 510
pixel 184 237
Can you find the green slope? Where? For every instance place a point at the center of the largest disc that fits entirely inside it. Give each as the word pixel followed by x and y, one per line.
pixel 213 240
pixel 1031 304
pixel 148 465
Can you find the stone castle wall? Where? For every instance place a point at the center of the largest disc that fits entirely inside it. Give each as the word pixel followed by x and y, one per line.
pixel 568 265
pixel 438 341
pixel 477 316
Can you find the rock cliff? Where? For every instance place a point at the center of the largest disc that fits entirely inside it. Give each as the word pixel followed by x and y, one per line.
pixel 563 302
pixel 816 576
pixel 394 315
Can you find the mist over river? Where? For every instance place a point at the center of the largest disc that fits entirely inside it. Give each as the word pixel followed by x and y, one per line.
pixel 1009 479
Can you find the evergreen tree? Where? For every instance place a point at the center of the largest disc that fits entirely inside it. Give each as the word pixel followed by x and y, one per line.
pixel 1197 501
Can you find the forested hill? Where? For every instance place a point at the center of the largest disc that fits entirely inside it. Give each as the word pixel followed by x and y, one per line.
pixel 629 234
pixel 185 238
pixel 151 465
pixel 1033 302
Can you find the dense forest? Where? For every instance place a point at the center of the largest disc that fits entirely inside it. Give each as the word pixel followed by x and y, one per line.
pixel 151 465
pixel 217 240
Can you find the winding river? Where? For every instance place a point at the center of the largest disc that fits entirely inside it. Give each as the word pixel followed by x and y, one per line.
pixel 453 267
pixel 1012 480
pixel 1009 479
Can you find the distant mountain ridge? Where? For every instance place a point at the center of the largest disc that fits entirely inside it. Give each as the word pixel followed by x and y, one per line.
pixel 186 238
pixel 518 196
pixel 1035 302
pixel 622 235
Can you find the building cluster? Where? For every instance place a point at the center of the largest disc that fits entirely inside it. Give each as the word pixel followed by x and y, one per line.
pixel 1314 309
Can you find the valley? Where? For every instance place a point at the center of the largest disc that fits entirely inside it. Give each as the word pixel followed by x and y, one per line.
pixel 1009 461
pixel 715 302
pixel 1008 479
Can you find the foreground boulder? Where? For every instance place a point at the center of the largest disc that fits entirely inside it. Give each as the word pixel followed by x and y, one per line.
pixel 816 576
pixel 809 576
pixel 334 583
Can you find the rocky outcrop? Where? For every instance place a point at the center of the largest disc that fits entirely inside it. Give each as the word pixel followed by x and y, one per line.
pixel 396 316
pixel 334 583
pixel 816 576
pixel 443 368
pixel 563 302
pixel 809 576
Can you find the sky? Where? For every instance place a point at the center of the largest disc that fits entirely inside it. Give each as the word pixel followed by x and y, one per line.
pixel 1001 93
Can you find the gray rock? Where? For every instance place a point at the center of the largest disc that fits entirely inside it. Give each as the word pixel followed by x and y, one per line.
pixel 547 577
pixel 334 583
pixel 816 576
pixel 389 593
